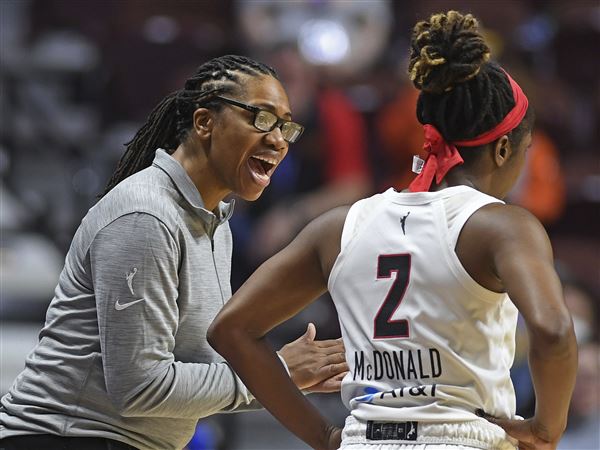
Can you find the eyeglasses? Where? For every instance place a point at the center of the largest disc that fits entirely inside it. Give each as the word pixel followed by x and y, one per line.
pixel 267 121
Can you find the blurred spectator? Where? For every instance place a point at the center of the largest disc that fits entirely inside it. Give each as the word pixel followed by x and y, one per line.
pixel 585 308
pixel 327 168
pixel 401 137
pixel 541 187
pixel 583 429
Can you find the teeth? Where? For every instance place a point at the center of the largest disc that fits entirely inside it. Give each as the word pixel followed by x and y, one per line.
pixel 267 160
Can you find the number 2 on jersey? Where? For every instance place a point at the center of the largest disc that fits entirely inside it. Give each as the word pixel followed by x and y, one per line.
pixel 385 327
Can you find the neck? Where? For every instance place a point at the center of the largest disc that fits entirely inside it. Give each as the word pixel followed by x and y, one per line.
pixel 196 165
pixel 461 176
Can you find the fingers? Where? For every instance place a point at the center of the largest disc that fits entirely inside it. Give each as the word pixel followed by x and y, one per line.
pixel 335 439
pixel 333 363
pixel 330 343
pixel 339 368
pixel 332 384
pixel 327 387
pixel 328 346
pixel 335 358
pixel 333 354
pixel 518 429
pixel 309 335
pixel 336 368
pixel 329 367
pixel 495 420
pixel 331 373
pixel 340 376
pixel 311 362
pixel 500 422
pixel 311 332
pixel 481 413
pixel 506 424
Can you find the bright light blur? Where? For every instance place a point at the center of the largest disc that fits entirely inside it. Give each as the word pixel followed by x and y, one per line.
pixel 323 41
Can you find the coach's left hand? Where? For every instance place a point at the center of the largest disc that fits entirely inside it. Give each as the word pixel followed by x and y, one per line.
pixel 315 366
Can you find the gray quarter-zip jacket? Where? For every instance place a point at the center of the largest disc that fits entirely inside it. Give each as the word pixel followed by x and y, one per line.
pixel 123 353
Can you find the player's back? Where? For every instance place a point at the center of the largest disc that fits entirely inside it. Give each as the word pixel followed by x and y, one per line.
pixel 423 340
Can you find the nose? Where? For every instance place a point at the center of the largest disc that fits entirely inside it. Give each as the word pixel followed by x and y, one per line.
pixel 275 139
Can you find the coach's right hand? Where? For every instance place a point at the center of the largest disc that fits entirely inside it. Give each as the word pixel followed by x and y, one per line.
pixel 315 366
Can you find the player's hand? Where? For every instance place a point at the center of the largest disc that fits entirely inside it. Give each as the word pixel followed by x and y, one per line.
pixel 530 434
pixel 315 365
pixel 334 438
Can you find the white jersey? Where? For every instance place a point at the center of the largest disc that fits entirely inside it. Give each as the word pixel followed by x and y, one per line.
pixel 424 341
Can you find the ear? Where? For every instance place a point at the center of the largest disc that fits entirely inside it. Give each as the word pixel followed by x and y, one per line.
pixel 203 122
pixel 502 151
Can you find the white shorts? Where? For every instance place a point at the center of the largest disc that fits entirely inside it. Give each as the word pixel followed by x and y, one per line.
pixel 477 434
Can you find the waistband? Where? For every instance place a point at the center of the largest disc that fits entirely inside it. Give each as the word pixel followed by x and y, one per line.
pixel 477 433
pixel 55 442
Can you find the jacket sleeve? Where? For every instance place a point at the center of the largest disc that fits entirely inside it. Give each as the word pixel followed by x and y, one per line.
pixel 134 266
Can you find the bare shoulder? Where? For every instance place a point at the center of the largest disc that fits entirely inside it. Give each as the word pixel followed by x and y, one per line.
pixel 331 222
pixel 502 225
pixel 497 235
pixel 507 214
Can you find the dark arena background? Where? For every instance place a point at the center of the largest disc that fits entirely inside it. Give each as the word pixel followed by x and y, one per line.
pixel 78 77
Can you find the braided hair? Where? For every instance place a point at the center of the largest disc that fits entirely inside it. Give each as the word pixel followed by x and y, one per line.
pixel 171 120
pixel 463 93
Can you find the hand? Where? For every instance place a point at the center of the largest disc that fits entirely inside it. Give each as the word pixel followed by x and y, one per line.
pixel 333 384
pixel 530 434
pixel 315 365
pixel 334 439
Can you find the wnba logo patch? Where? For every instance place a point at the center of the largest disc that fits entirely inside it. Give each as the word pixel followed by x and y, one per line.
pixel 392 431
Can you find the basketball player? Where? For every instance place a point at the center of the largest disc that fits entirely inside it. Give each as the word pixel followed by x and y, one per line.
pixel 427 282
pixel 123 360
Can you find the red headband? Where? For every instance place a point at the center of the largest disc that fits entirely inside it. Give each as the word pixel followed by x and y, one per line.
pixel 442 155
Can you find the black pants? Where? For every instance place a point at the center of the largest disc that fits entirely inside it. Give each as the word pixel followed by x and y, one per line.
pixel 53 442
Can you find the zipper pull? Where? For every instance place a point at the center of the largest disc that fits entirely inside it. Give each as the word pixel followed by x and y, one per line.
pixel 211 234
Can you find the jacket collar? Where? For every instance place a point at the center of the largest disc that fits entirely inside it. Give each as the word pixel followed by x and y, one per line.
pixel 188 190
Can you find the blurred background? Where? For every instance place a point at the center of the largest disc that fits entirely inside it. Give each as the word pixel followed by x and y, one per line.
pixel 78 78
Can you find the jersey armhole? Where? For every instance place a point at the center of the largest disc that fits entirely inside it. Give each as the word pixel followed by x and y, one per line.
pixel 462 218
pixel 358 218
pixel 350 225
pixel 451 235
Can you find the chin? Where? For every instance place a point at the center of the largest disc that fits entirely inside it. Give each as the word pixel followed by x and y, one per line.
pixel 251 196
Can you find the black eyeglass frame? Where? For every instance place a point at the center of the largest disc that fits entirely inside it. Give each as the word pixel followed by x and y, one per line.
pixel 255 109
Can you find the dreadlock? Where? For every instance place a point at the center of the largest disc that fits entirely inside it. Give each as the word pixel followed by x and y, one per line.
pixel 170 121
pixel 463 93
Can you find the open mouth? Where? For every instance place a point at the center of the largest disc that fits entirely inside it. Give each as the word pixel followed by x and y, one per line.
pixel 263 165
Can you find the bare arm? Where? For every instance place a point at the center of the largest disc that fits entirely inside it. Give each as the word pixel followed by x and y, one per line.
pixel 279 289
pixel 519 254
pixel 280 224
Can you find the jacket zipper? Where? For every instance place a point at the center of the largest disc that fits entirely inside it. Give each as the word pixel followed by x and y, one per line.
pixel 211 235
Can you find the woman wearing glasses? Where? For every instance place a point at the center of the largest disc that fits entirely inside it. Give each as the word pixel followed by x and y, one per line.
pixel 123 361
